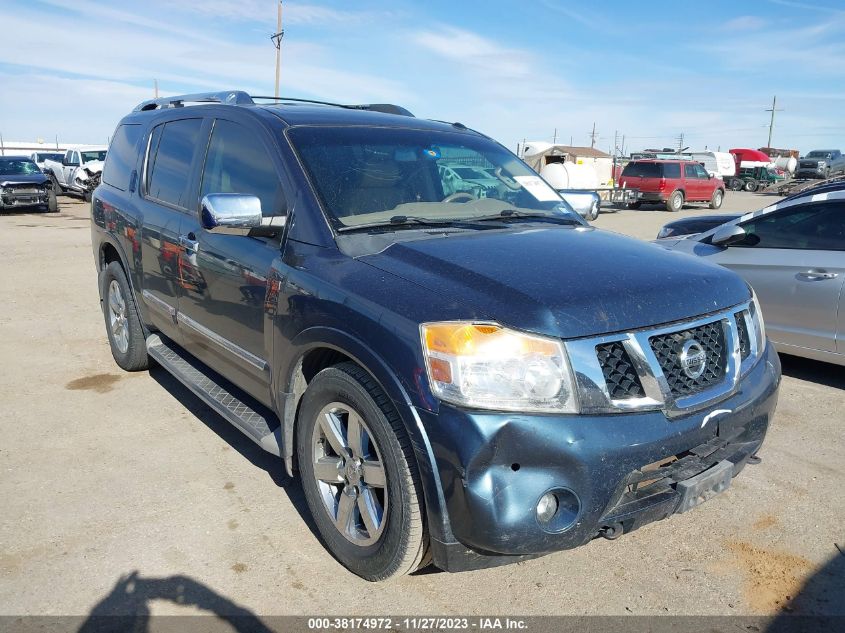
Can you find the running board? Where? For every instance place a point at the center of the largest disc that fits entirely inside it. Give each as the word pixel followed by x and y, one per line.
pixel 263 429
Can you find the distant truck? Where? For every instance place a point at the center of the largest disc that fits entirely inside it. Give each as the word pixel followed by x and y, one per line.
pixel 78 171
pixel 821 163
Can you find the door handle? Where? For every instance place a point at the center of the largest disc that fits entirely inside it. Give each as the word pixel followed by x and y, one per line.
pixel 189 242
pixel 817 275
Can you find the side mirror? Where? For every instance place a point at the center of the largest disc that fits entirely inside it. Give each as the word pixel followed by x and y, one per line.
pixel 728 234
pixel 709 176
pixel 230 213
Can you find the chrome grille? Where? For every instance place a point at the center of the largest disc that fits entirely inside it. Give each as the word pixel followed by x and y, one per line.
pixel 619 373
pixel 667 348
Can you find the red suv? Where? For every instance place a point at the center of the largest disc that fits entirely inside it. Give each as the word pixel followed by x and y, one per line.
pixel 672 182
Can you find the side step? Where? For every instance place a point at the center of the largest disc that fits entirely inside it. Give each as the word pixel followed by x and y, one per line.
pixel 261 427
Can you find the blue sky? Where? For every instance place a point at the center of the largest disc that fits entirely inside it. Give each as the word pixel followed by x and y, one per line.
pixel 514 70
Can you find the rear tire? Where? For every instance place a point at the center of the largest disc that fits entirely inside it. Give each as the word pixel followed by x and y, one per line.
pixel 391 539
pixel 751 185
pixel 123 325
pixel 717 199
pixel 675 202
pixel 634 205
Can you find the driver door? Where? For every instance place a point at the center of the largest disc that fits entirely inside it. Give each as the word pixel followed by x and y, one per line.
pixel 225 321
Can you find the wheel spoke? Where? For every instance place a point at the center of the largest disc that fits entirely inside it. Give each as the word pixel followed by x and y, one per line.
pixel 327 469
pixel 113 304
pixel 345 505
pixel 355 434
pixel 374 474
pixel 370 510
pixel 334 434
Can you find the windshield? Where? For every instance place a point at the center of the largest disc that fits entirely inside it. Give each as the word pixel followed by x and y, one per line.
pixel 818 154
pixel 87 157
pixel 41 157
pixel 366 175
pixel 18 166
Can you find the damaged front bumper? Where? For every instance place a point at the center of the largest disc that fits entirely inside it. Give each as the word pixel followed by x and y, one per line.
pixel 609 473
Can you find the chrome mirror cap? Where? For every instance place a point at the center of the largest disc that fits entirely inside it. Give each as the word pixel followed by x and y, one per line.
pixel 230 213
pixel 728 234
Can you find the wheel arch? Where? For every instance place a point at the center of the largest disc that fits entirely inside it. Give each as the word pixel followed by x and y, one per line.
pixel 321 347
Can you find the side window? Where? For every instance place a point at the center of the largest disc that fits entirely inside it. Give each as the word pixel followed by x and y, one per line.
pixel 120 159
pixel 672 170
pixel 68 156
pixel 700 172
pixel 237 162
pixel 75 158
pixel 170 167
pixel 818 226
pixel 689 171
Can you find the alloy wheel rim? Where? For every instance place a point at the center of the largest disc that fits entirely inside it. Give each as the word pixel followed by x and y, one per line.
pixel 349 474
pixel 117 317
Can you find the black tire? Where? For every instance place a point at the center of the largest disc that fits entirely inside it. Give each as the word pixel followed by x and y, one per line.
pixel 751 185
pixel 86 195
pixel 675 202
pixel 134 357
pixel 717 199
pixel 52 202
pixel 593 213
pixel 634 205
pixel 57 188
pixel 402 545
pixel 735 184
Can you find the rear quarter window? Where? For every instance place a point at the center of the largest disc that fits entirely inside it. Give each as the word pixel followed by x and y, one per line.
pixel 121 157
pixel 671 170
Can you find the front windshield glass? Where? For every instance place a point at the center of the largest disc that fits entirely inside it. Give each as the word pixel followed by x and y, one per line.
pixel 367 175
pixel 87 157
pixel 818 155
pixel 18 167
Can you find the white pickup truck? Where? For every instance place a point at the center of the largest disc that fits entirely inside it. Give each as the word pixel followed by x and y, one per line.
pixel 79 171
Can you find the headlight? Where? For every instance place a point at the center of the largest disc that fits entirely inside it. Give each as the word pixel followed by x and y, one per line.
pixel 757 318
pixel 487 366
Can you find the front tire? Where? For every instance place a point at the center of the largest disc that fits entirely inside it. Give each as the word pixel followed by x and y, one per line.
pixel 360 476
pixel 123 325
pixel 57 188
pixel 52 202
pixel 717 199
pixel 675 202
pixel 751 185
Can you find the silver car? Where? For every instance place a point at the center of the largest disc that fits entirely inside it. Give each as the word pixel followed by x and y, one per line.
pixel 793 255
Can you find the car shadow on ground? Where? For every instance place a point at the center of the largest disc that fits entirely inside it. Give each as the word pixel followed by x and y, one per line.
pixel 127 607
pixel 271 464
pixel 818 605
pixel 816 371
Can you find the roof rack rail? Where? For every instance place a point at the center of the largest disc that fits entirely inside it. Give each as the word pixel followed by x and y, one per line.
pixel 231 97
pixel 239 97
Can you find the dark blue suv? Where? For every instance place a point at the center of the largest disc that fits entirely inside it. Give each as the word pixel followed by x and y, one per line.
pixel 461 372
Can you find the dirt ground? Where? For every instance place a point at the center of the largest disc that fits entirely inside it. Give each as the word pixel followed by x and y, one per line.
pixel 123 491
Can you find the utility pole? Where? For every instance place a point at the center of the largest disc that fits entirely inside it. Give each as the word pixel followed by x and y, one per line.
pixel 593 136
pixel 155 87
pixel 773 109
pixel 623 145
pixel 680 142
pixel 276 38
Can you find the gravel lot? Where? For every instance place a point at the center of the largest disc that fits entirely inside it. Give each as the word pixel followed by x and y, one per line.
pixel 118 488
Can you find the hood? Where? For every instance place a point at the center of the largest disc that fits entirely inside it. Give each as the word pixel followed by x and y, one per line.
pixel 94 166
pixel 563 282
pixel 22 179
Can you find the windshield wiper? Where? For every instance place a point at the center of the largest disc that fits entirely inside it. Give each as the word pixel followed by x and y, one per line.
pixel 509 214
pixel 398 221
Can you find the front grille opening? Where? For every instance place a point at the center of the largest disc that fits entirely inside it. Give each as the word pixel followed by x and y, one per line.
pixel 742 333
pixel 682 380
pixel 622 380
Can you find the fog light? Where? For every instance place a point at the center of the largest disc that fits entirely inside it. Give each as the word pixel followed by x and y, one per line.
pixel 546 507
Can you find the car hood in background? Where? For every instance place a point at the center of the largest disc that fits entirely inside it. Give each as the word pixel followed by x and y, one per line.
pixel 22 179
pixel 563 282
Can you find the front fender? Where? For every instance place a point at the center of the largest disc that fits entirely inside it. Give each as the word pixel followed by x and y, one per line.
pixel 361 353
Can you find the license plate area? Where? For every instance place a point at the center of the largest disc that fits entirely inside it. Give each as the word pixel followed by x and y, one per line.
pixel 696 490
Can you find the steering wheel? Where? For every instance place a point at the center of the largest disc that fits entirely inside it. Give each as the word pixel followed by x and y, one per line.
pixel 458 196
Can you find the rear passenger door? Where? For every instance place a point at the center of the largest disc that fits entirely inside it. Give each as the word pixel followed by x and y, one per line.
pixel 168 269
pixel 226 322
